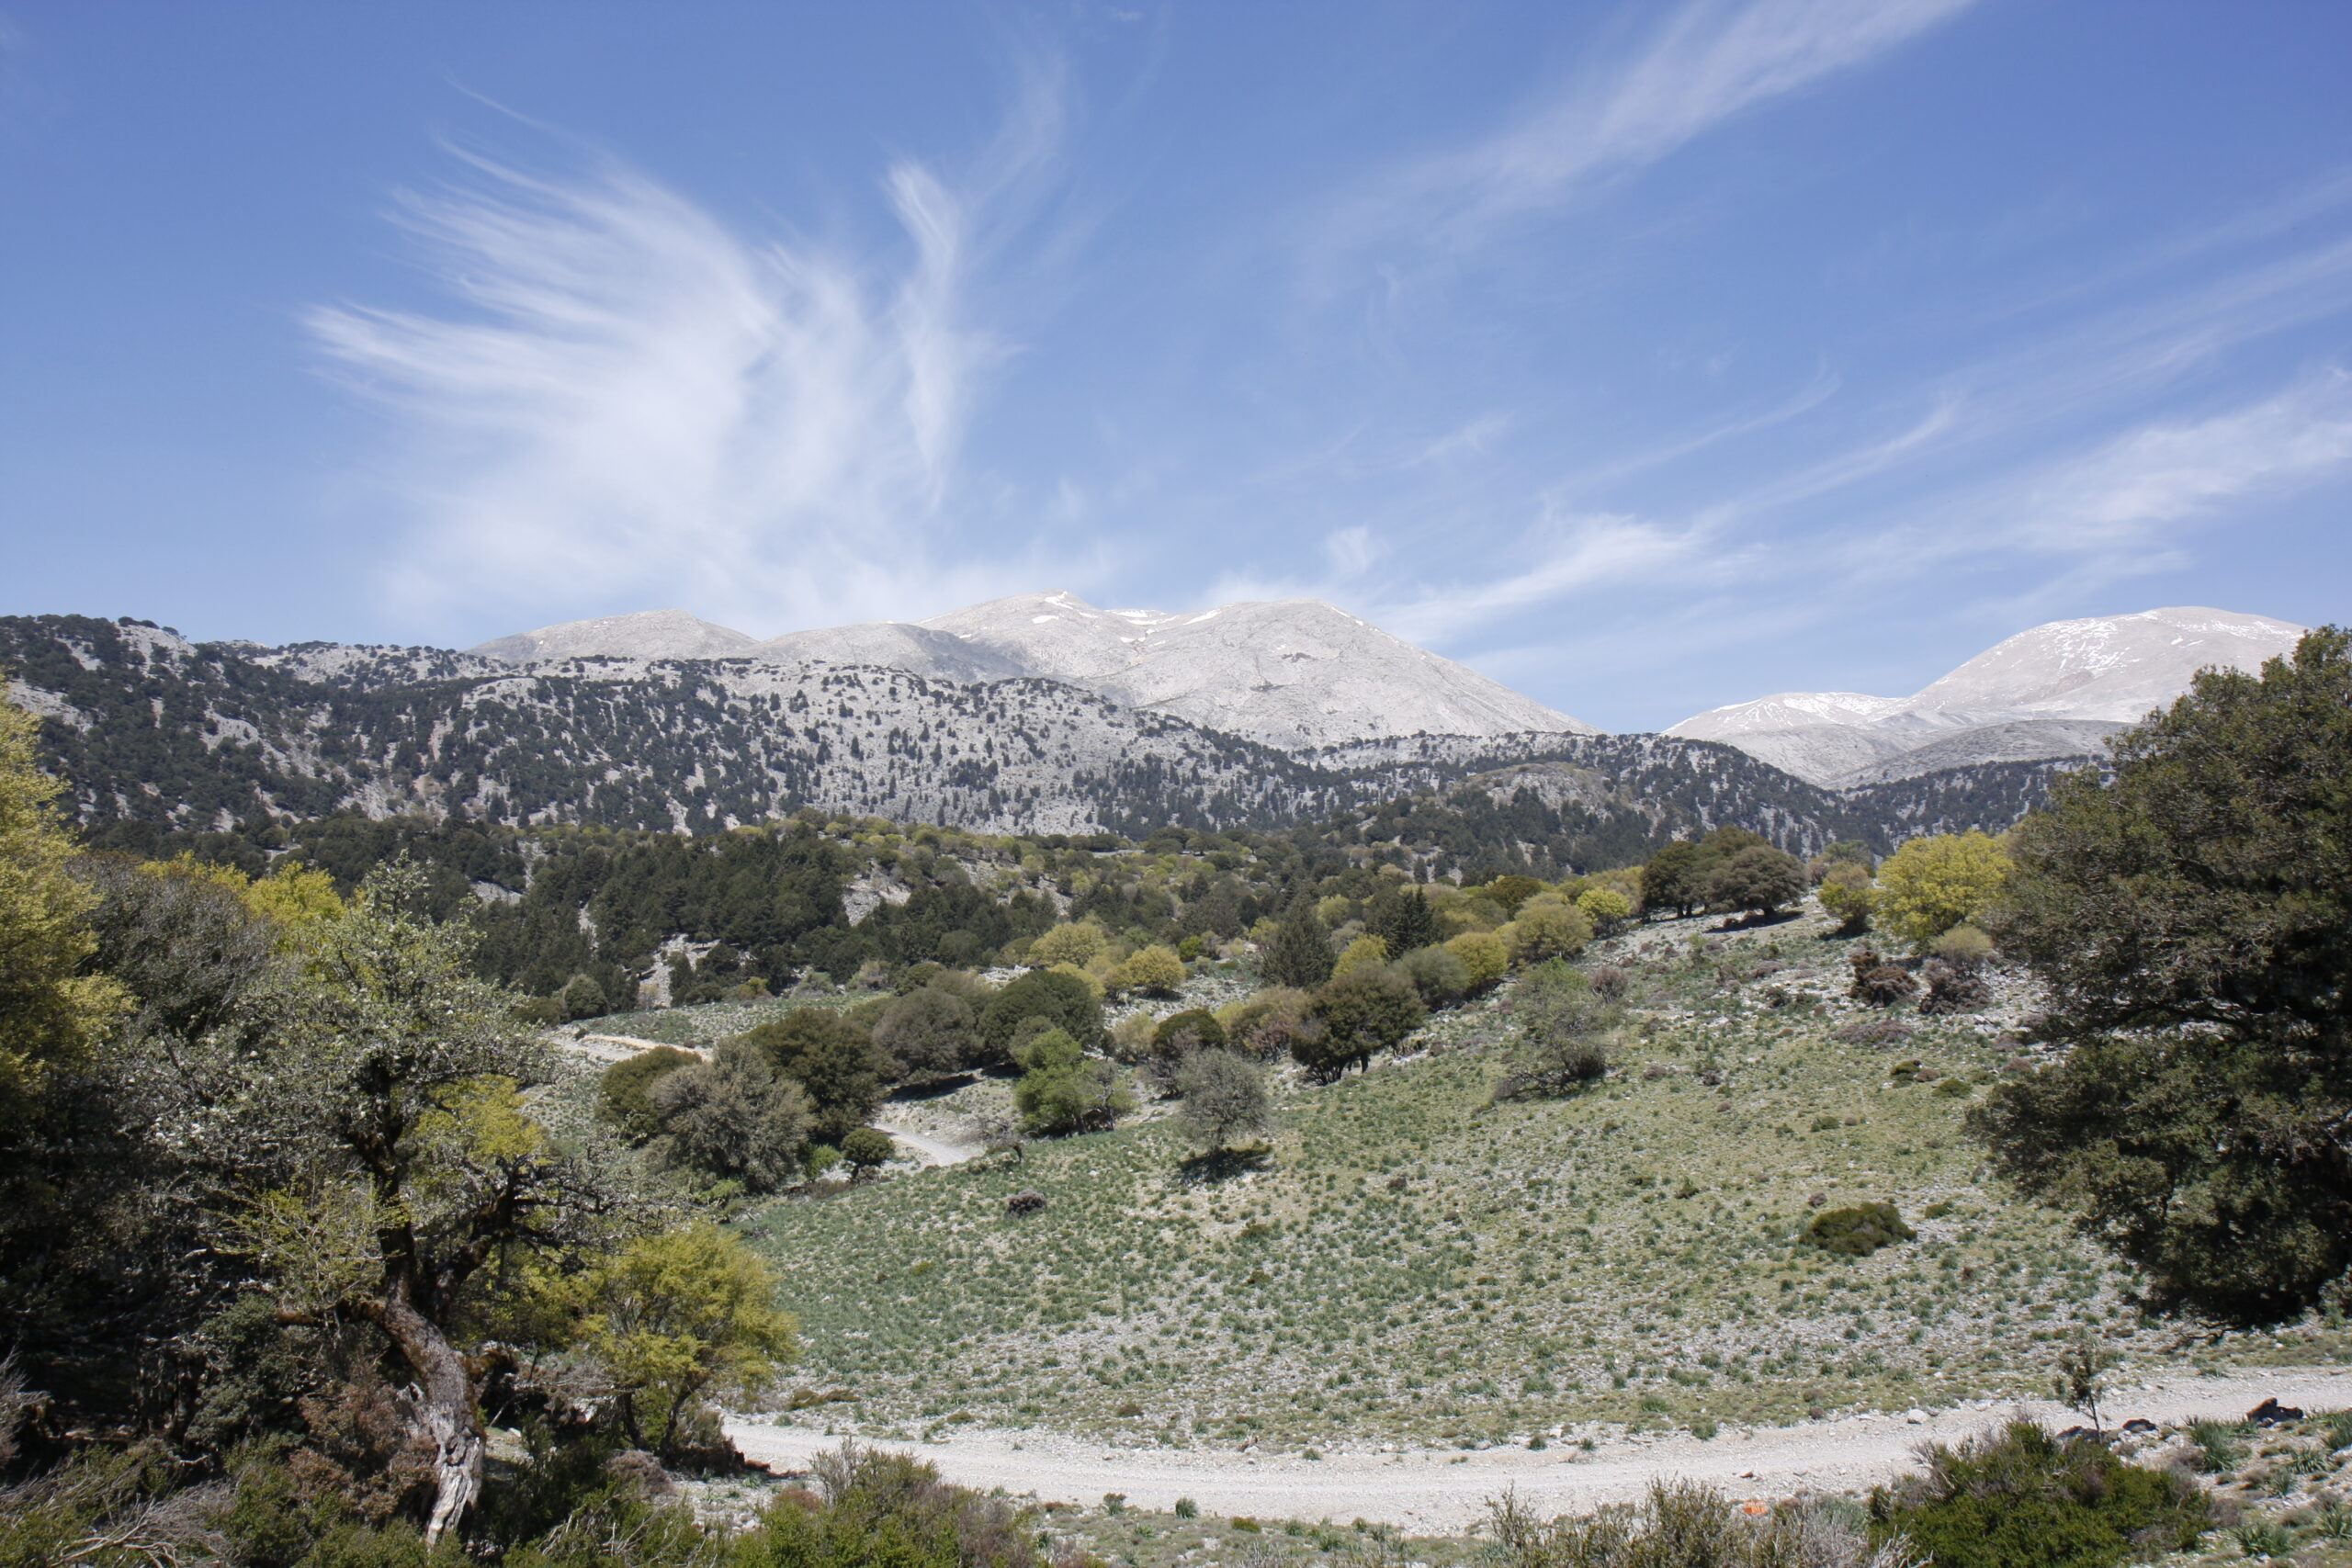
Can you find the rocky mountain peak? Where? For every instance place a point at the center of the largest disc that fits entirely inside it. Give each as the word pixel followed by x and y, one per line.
pixel 641 634
pixel 2056 690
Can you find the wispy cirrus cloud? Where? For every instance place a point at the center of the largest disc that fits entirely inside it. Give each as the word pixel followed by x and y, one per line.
pixel 630 401
pixel 1708 62
pixel 2133 493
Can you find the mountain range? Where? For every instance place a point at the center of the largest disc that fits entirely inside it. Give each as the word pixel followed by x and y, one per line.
pixel 1043 714
pixel 2058 690
pixel 1290 672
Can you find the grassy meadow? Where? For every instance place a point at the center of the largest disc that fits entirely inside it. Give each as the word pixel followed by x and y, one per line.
pixel 1410 1263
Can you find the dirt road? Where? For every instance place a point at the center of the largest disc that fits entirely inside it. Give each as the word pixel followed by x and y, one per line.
pixel 934 1150
pixel 1443 1492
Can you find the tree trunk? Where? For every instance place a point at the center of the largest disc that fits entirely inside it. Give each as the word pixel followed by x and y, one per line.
pixel 447 1410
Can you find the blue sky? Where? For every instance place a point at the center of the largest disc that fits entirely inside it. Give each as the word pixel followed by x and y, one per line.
pixel 1647 356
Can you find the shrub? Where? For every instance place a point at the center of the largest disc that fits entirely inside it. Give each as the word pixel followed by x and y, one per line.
pixel 1177 1039
pixel 1963 947
pixel 1064 1000
pixel 1075 944
pixel 1155 971
pixel 1225 1097
pixel 1858 1231
pixel 1360 1014
pixel 1486 959
pixel 1365 953
pixel 882 1508
pixel 1684 1524
pixel 1932 884
pixel 1063 1091
pixel 1879 983
pixel 1846 894
pixel 1606 908
pixel 1440 977
pixel 735 1119
pixel 929 1032
pixel 833 1059
pixel 1547 926
pixel 622 1093
pixel 1951 989
pixel 2023 1499
pixel 865 1150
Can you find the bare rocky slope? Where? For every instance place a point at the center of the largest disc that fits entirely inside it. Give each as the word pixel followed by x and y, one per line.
pixel 2057 691
pixel 149 729
pixel 1289 672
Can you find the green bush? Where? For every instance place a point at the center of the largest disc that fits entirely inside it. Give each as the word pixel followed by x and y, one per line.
pixel 1063 999
pixel 1858 1231
pixel 2024 1499
pixel 623 1093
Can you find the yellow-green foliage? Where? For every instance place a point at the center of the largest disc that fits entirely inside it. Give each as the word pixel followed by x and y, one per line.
pixel 1605 906
pixel 49 1015
pixel 682 1316
pixel 1154 969
pixel 1932 884
pixel 1484 958
pixel 1548 926
pixel 1074 944
pixel 1365 953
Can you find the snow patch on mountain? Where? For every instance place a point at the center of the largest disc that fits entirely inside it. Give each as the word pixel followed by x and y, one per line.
pixel 2058 690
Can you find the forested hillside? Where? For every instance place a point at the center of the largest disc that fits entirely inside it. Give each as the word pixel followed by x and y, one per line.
pixel 148 728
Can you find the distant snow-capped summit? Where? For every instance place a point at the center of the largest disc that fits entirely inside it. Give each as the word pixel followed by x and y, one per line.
pixel 2055 691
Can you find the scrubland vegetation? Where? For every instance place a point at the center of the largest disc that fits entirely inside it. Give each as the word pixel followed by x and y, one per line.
pixel 326 1246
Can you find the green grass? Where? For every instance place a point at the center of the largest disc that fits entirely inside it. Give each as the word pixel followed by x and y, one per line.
pixel 1417 1265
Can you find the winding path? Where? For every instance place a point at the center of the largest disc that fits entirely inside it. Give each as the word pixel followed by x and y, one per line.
pixel 1443 1491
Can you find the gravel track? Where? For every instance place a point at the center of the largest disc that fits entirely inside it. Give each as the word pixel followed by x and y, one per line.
pixel 1441 1491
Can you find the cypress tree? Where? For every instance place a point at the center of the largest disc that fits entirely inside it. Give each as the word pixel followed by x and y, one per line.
pixel 1300 954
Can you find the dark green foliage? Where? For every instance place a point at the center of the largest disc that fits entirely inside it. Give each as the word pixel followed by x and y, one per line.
pixel 930 1032
pixel 581 997
pixel 842 1070
pixel 187 947
pixel 1675 880
pixel 2024 1499
pixel 1361 1013
pixel 1756 877
pixel 866 1149
pixel 1858 1231
pixel 1300 955
pixel 2193 921
pixel 1403 918
pixel 622 1090
pixel 1180 1033
pixel 1063 1000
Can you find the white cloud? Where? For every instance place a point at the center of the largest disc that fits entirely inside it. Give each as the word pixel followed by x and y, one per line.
pixel 2132 491
pixel 1707 62
pixel 1562 557
pixel 632 404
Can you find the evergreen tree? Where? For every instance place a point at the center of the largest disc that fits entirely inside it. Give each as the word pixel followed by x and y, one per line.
pixel 2191 923
pixel 1300 955
pixel 1402 918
